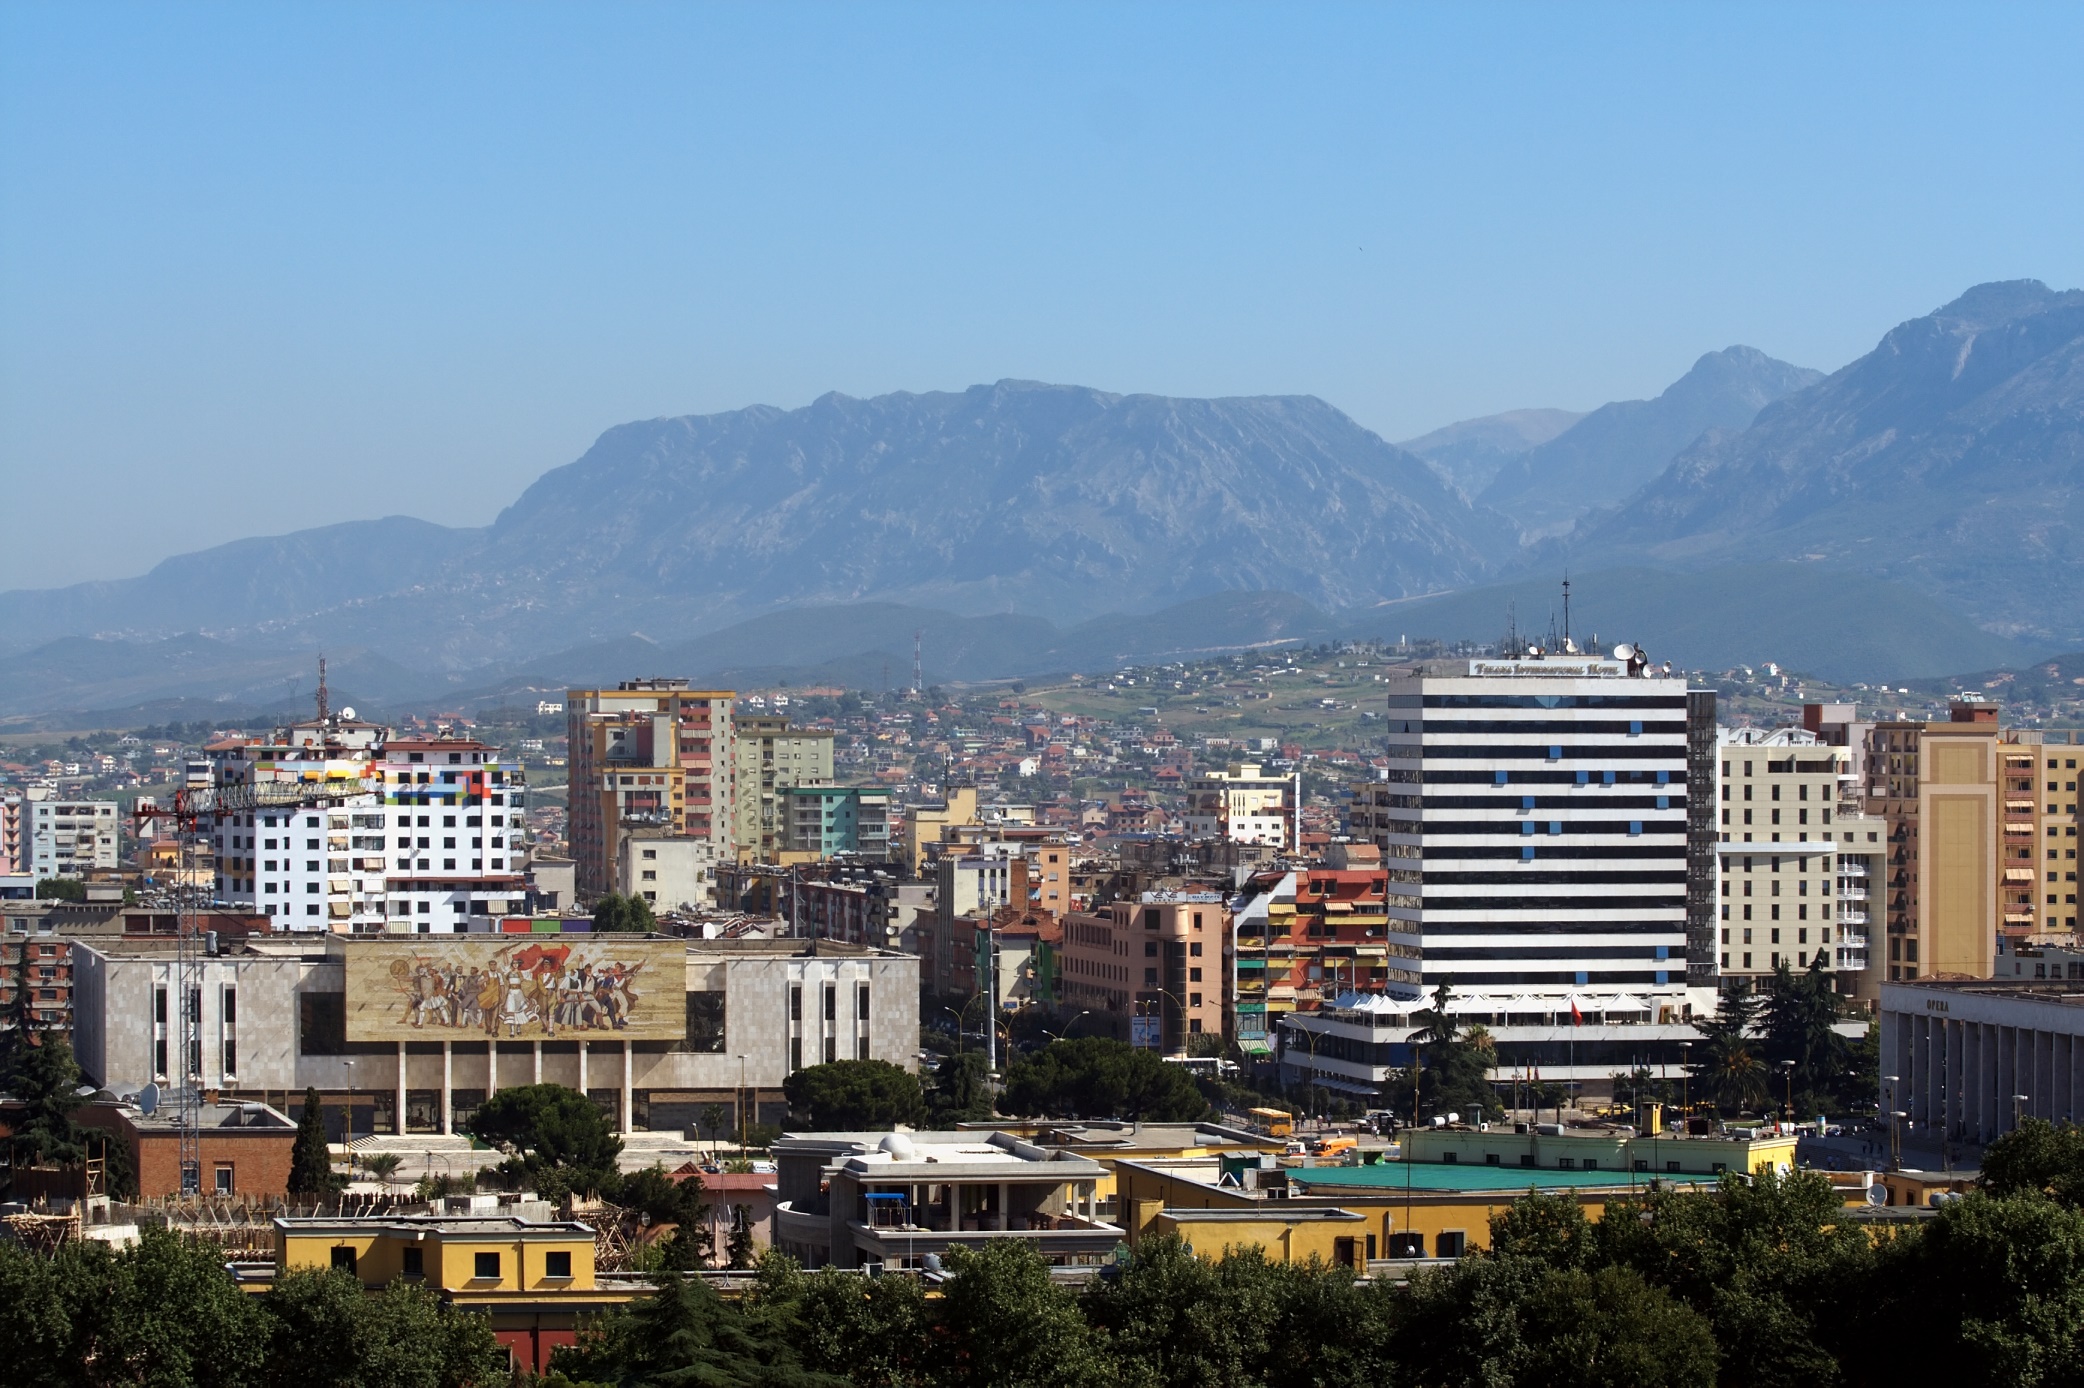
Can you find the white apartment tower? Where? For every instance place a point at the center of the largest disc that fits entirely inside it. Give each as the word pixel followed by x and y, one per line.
pixel 435 842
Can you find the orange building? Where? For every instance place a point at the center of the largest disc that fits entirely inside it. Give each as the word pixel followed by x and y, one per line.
pixel 648 752
pixel 1154 971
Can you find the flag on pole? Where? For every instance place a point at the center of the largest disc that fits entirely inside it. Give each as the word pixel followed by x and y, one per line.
pixel 1577 1018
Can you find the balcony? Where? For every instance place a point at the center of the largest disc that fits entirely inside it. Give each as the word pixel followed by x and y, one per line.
pixel 1852 894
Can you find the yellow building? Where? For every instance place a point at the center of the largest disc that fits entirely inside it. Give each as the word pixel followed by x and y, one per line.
pixel 535 1279
pixel 924 823
pixel 1111 1144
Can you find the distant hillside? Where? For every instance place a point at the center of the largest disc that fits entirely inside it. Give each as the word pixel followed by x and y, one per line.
pixel 1015 495
pixel 1617 448
pixel 1950 459
pixel 1469 453
pixel 1809 618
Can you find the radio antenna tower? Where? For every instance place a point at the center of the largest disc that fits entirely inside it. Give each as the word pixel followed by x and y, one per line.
pixel 918 675
pixel 1566 609
pixel 324 697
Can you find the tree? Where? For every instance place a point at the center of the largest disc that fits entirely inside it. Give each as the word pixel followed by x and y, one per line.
pixel 324 1330
pixel 1611 1329
pixel 1797 1026
pixel 712 1118
pixel 684 1333
pixel 675 1202
pixel 555 1138
pixel 1095 1077
pixel 738 1249
pixel 876 1331
pixel 61 889
pixel 311 1157
pixel 1454 1068
pixel 961 1090
pixel 2038 1158
pixel 855 1096
pixel 1004 1324
pixel 43 1077
pixel 383 1165
pixel 625 915
pixel 1726 1063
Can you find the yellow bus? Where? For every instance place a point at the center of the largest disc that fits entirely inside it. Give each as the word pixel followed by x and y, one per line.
pixel 1272 1121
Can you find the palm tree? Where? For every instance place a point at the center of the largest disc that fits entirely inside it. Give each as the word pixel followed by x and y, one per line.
pixel 1728 1069
pixel 382 1165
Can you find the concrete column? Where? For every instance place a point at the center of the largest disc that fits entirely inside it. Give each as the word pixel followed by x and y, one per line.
pixel 582 1065
pixel 629 1102
pixel 538 1064
pixel 1005 1205
pixel 448 1085
pixel 400 1115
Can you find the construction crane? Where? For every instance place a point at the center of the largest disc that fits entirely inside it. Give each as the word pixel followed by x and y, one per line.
pixel 190 808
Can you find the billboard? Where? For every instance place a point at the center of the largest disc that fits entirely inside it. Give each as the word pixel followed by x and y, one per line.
pixel 517 988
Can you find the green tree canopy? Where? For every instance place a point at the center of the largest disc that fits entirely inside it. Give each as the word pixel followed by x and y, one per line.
pixel 310 1158
pixel 855 1096
pixel 40 1073
pixel 2038 1157
pixel 961 1091
pixel 554 1137
pixel 624 915
pixel 1096 1077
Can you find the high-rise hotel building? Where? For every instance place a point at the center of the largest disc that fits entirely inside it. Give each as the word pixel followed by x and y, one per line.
pixel 1534 821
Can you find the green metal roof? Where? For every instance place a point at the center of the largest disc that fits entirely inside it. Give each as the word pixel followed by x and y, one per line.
pixel 1391 1176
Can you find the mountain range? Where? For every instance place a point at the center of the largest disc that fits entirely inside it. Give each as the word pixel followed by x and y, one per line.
pixel 1916 512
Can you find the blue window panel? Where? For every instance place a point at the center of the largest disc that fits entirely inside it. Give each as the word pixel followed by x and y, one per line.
pixel 1526 802
pixel 1583 978
pixel 1583 776
pixel 1635 827
pixel 1500 779
pixel 1527 851
pixel 1663 953
pixel 1635 727
pixel 1555 826
pixel 1664 802
pixel 1664 778
pixel 1555 754
pixel 1609 777
pixel 1662 977
pixel 1526 827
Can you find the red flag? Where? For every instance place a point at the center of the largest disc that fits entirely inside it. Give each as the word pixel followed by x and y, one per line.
pixel 1577 1018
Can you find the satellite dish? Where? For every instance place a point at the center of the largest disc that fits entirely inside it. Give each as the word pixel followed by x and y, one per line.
pixel 1623 651
pixel 347 715
pixel 1877 1195
pixel 148 1100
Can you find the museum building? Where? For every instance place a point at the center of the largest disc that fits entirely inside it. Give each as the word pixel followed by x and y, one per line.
pixel 408 1035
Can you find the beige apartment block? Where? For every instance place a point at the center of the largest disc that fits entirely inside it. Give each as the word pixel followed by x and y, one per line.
pixel 1937 785
pixel 1242 805
pixel 1796 857
pixel 771 757
pixel 1153 972
pixel 651 754
pixel 2039 850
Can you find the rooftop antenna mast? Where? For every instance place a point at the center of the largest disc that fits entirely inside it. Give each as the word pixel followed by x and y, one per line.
pixel 1566 609
pixel 918 672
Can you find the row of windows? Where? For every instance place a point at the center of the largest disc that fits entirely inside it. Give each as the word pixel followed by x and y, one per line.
pixel 1516 902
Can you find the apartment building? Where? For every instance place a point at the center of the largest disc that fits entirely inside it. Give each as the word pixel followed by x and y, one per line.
pixel 1242 805
pixel 649 753
pixel 1304 938
pixel 1153 971
pixel 435 841
pixel 67 838
pixel 769 757
pixel 668 870
pixel 825 820
pixel 1796 857
pixel 2039 830
pixel 1936 787
pixel 14 855
pixel 35 979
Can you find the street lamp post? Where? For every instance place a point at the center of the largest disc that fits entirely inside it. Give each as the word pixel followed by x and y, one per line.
pixel 2018 1108
pixel 349 1143
pixel 740 1105
pixel 1686 1078
pixel 1889 1083
pixel 1787 1068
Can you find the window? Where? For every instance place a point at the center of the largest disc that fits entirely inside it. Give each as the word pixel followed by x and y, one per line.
pixel 344 1260
pixel 557 1263
pixel 412 1261
pixel 1450 1243
pixel 705 1023
pixel 224 1178
pixel 485 1265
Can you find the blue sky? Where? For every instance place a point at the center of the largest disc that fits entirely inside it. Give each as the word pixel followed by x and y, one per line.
pixel 264 267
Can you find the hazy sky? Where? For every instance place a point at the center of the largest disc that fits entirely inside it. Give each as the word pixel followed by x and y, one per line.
pixel 265 267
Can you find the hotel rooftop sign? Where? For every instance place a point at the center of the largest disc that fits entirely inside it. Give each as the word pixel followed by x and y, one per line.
pixel 1553 669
